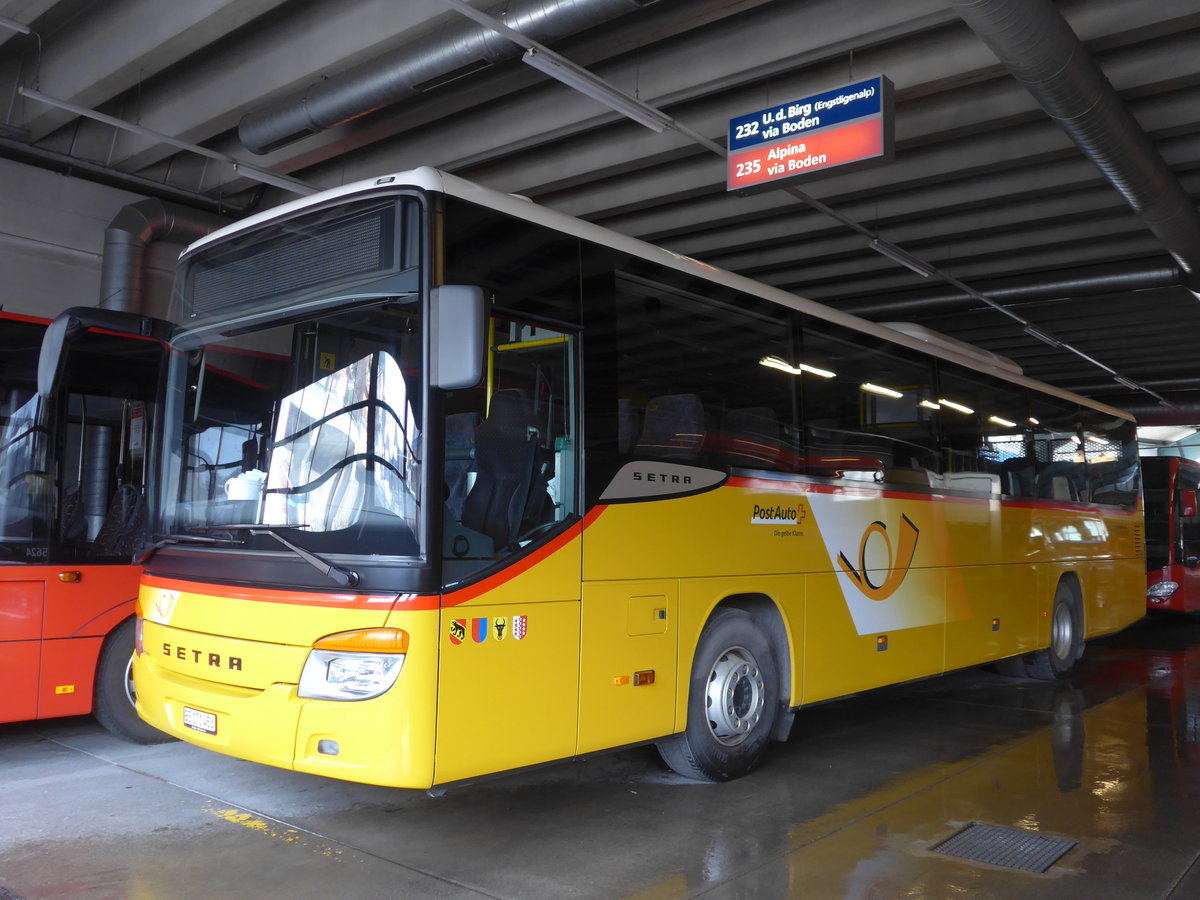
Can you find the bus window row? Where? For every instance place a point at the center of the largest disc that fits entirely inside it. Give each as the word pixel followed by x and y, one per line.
pixel 747 391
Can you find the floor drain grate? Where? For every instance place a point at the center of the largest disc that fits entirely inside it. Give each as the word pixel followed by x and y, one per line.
pixel 1011 848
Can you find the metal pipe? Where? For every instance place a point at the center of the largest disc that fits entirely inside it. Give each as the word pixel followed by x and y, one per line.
pixel 65 164
pixel 125 240
pixel 452 50
pixel 1034 41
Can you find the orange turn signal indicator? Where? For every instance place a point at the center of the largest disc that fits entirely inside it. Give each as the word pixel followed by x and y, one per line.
pixel 366 640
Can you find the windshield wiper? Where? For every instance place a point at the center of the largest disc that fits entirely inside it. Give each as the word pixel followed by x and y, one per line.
pixel 336 574
pixel 168 540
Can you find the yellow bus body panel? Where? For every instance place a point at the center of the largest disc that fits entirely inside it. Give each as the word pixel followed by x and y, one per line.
pixel 250 685
pixel 506 698
pixel 588 642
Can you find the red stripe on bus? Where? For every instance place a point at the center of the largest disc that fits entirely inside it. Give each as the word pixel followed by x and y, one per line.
pixel 296 598
pixel 18 317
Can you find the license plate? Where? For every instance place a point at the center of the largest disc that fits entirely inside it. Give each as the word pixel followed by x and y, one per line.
pixel 199 721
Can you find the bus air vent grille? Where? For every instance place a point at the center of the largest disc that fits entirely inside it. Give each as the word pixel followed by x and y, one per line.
pixel 1010 848
pixel 356 244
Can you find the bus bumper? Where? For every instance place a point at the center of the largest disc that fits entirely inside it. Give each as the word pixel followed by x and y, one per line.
pixel 381 741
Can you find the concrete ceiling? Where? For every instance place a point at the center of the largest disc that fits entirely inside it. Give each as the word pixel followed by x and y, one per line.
pixel 985 184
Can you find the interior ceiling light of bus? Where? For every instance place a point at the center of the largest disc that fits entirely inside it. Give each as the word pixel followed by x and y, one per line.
pixel 880 389
pixel 774 362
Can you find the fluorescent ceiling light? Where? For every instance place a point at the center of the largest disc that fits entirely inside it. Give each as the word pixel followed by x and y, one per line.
pixel 1000 421
pixel 929 404
pixel 957 406
pixel 774 362
pixel 1033 421
pixel 13 25
pixel 876 389
pixel 573 76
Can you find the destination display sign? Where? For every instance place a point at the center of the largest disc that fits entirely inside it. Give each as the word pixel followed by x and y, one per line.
pixel 839 127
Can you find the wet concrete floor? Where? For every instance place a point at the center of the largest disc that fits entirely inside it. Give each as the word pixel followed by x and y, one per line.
pixel 851 807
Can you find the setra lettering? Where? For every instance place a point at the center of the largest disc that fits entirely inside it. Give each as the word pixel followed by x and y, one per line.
pixel 233 663
pixel 662 477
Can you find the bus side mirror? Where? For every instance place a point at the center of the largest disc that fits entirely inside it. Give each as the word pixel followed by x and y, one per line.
pixel 458 329
pixel 1187 504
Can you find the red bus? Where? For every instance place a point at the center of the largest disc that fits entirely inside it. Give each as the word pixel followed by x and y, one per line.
pixel 73 439
pixel 1170 485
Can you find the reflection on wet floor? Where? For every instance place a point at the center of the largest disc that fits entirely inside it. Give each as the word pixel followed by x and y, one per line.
pixel 1107 759
pixel 851 807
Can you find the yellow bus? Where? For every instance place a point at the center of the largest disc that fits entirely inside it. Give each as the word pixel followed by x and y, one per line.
pixel 452 484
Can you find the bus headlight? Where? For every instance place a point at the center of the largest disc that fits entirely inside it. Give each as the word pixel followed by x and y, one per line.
pixel 1161 592
pixel 353 665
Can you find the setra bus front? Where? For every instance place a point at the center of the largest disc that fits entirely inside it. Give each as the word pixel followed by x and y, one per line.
pixel 289 611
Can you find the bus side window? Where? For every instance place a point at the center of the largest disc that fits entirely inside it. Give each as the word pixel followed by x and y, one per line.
pixel 754 437
pixel 628 425
pixel 680 377
pixel 673 428
pixel 985 428
pixel 867 411
pixel 1112 472
pixel 1055 447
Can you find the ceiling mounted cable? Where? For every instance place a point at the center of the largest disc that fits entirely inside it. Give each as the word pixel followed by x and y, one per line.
pixel 255 173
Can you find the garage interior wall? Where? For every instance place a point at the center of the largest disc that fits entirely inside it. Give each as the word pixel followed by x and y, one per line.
pixel 51 240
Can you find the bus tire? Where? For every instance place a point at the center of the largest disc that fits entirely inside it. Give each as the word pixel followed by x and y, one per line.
pixel 733 699
pixel 114 693
pixel 1066 639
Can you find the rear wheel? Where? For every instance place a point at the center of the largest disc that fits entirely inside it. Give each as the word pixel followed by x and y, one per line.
pixel 1066 639
pixel 115 694
pixel 732 701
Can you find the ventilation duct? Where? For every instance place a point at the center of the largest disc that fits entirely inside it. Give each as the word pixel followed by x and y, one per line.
pixel 122 270
pixel 1034 41
pixel 454 49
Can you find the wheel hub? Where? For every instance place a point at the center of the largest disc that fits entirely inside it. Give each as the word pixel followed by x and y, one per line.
pixel 735 696
pixel 130 690
pixel 1062 632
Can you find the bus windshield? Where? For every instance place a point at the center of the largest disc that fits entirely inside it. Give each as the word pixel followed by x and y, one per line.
pixel 309 429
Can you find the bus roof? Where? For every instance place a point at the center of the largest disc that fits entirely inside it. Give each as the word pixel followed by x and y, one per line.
pixel 434 180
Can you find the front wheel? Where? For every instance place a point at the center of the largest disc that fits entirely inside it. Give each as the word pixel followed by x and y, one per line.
pixel 114 694
pixel 732 701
